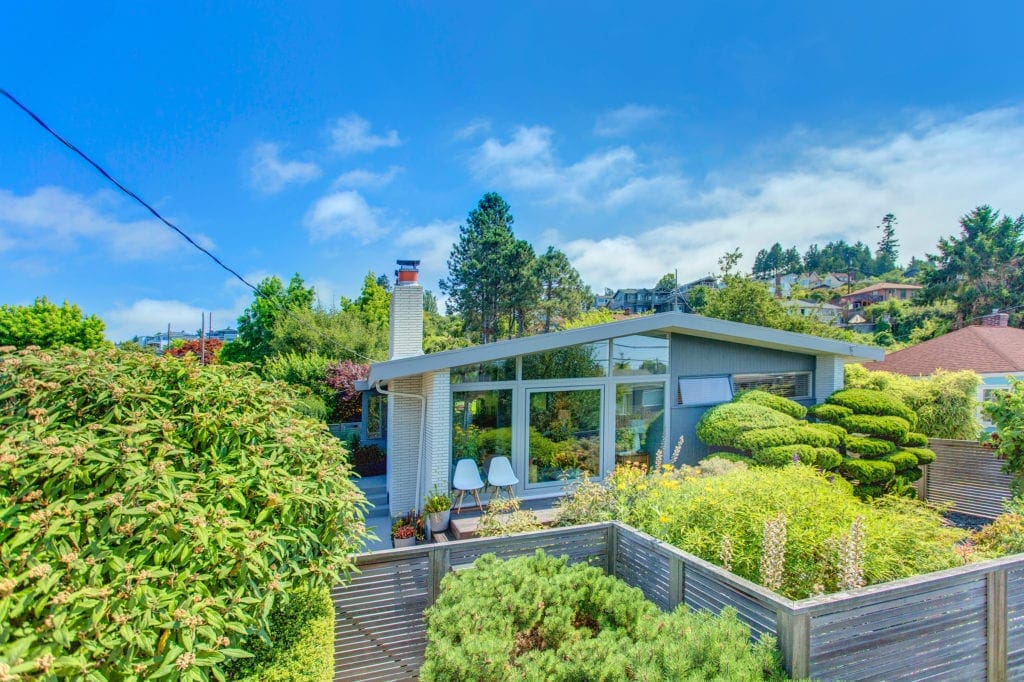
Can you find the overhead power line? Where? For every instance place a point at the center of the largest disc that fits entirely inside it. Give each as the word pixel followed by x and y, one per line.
pixel 234 273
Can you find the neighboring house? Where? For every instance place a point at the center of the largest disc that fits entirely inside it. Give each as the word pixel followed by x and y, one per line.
pixel 638 301
pixel 858 323
pixel 160 340
pixel 226 335
pixel 878 293
pixel 580 400
pixel 992 349
pixel 823 312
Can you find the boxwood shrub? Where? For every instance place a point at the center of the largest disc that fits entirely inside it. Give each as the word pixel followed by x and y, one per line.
pixel 915 440
pixel 902 460
pixel 775 402
pixel 722 424
pixel 783 454
pixel 867 471
pixel 869 447
pixel 827 412
pixel 538 618
pixel 887 427
pixel 867 401
pixel 827 458
pixel 156 511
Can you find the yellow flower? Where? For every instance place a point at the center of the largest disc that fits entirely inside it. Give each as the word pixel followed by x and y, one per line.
pixel 663 518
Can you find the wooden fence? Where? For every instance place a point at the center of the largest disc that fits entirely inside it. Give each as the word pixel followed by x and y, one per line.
pixel 967 476
pixel 965 623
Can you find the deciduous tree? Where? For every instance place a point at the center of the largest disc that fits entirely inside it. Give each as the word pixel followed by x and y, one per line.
pixel 48 325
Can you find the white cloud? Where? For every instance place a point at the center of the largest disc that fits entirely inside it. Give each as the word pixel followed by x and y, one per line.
pixel 626 119
pixel 270 174
pixel 365 178
pixel 56 219
pixel 431 244
pixel 344 213
pixel 351 134
pixel 928 175
pixel 149 316
pixel 475 127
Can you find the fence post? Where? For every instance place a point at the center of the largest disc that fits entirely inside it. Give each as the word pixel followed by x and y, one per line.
pixel 997 625
pixel 676 581
pixel 794 634
pixel 440 562
pixel 612 540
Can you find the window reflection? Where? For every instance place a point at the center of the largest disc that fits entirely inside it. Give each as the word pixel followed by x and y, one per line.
pixel 639 422
pixel 481 426
pixel 565 434
pixel 639 355
pixel 572 362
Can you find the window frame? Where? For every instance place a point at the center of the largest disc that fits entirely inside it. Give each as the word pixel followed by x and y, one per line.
pixel 749 377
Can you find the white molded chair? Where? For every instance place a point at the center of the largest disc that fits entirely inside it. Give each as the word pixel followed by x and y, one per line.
pixel 467 477
pixel 500 475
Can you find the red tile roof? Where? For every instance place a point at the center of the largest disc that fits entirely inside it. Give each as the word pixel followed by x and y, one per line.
pixel 982 349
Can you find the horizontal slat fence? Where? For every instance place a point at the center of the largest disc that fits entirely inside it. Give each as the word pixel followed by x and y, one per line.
pixel 967 476
pixel 965 623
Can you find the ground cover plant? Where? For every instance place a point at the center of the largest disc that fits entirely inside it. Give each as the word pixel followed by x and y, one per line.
pixel 704 515
pixel 155 512
pixel 538 618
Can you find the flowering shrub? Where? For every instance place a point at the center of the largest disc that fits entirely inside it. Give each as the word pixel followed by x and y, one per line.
pixel 207 350
pixel 155 511
pixel 900 537
pixel 537 618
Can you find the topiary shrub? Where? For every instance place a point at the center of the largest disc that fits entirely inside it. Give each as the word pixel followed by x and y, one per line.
pixel 156 511
pixel 867 401
pixel 783 455
pixel 887 427
pixel 869 447
pixel 760 439
pixel 902 460
pixel 775 402
pixel 827 458
pixel 829 413
pixel 722 424
pixel 301 643
pixel 924 455
pixel 915 440
pixel 834 429
pixel 867 471
pixel 538 618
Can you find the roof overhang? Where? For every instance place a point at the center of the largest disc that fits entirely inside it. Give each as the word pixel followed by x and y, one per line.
pixel 671 322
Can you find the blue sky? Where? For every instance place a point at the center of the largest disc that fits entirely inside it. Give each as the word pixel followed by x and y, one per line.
pixel 330 139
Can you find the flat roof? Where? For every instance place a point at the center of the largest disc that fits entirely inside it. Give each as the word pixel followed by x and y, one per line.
pixel 669 322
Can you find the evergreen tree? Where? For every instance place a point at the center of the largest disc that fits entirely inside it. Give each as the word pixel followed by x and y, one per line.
pixel 888 246
pixel 562 291
pixel 729 260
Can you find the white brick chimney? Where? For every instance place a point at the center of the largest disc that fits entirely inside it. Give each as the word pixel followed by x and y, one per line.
pixel 405 337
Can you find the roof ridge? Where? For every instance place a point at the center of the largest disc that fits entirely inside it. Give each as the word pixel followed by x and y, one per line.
pixel 988 343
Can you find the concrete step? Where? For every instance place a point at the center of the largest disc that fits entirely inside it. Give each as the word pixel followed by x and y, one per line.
pixel 378 510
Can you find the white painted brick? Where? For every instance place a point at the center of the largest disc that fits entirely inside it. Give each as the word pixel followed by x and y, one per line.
pixel 828 376
pixel 405 331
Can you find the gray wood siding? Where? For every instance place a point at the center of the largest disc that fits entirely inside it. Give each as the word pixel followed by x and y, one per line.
pixel 696 356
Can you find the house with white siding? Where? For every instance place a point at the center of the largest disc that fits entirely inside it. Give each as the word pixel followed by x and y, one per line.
pixel 578 402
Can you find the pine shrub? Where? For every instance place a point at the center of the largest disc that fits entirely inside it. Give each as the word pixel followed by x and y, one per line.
pixel 539 618
pixel 887 427
pixel 827 412
pixel 915 440
pixel 784 454
pixel 902 460
pixel 157 510
pixel 867 471
pixel 866 401
pixel 827 458
pixel 722 424
pixel 924 455
pixel 869 447
pixel 775 402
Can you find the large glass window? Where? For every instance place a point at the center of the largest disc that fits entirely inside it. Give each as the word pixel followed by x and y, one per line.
pixel 787 384
pixel 572 362
pixel 499 370
pixel 565 434
pixel 481 426
pixel 639 422
pixel 376 416
pixel 640 354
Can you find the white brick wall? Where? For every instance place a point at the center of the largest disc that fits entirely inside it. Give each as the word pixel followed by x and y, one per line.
pixel 437 449
pixel 828 376
pixel 403 444
pixel 405 333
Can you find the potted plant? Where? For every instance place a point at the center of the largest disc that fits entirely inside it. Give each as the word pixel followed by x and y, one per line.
pixel 403 536
pixel 438 508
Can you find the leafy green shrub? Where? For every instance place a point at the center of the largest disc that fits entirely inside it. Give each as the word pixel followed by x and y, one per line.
pixel 1006 411
pixel 869 447
pixel 887 427
pixel 835 429
pixel 829 413
pixel 775 402
pixel 945 402
pixel 827 458
pixel 157 510
pixel 924 455
pixel 1005 535
pixel 586 501
pixel 867 401
pixel 915 440
pixel 301 643
pixel 867 470
pixel 537 618
pixel 902 537
pixel 722 424
pixel 308 370
pixel 902 460
pixel 784 454
pixel 504 517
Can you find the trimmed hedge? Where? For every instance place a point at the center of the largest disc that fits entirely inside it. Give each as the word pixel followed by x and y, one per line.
pixel 867 471
pixel 839 431
pixel 722 424
pixel 827 458
pixel 867 401
pixel 915 440
pixel 783 455
pixel 829 413
pixel 775 402
pixel 539 618
pixel 902 460
pixel 924 455
pixel 761 439
pixel 869 447
pixel 887 427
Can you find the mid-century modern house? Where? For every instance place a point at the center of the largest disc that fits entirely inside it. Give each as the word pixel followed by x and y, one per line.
pixel 578 402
